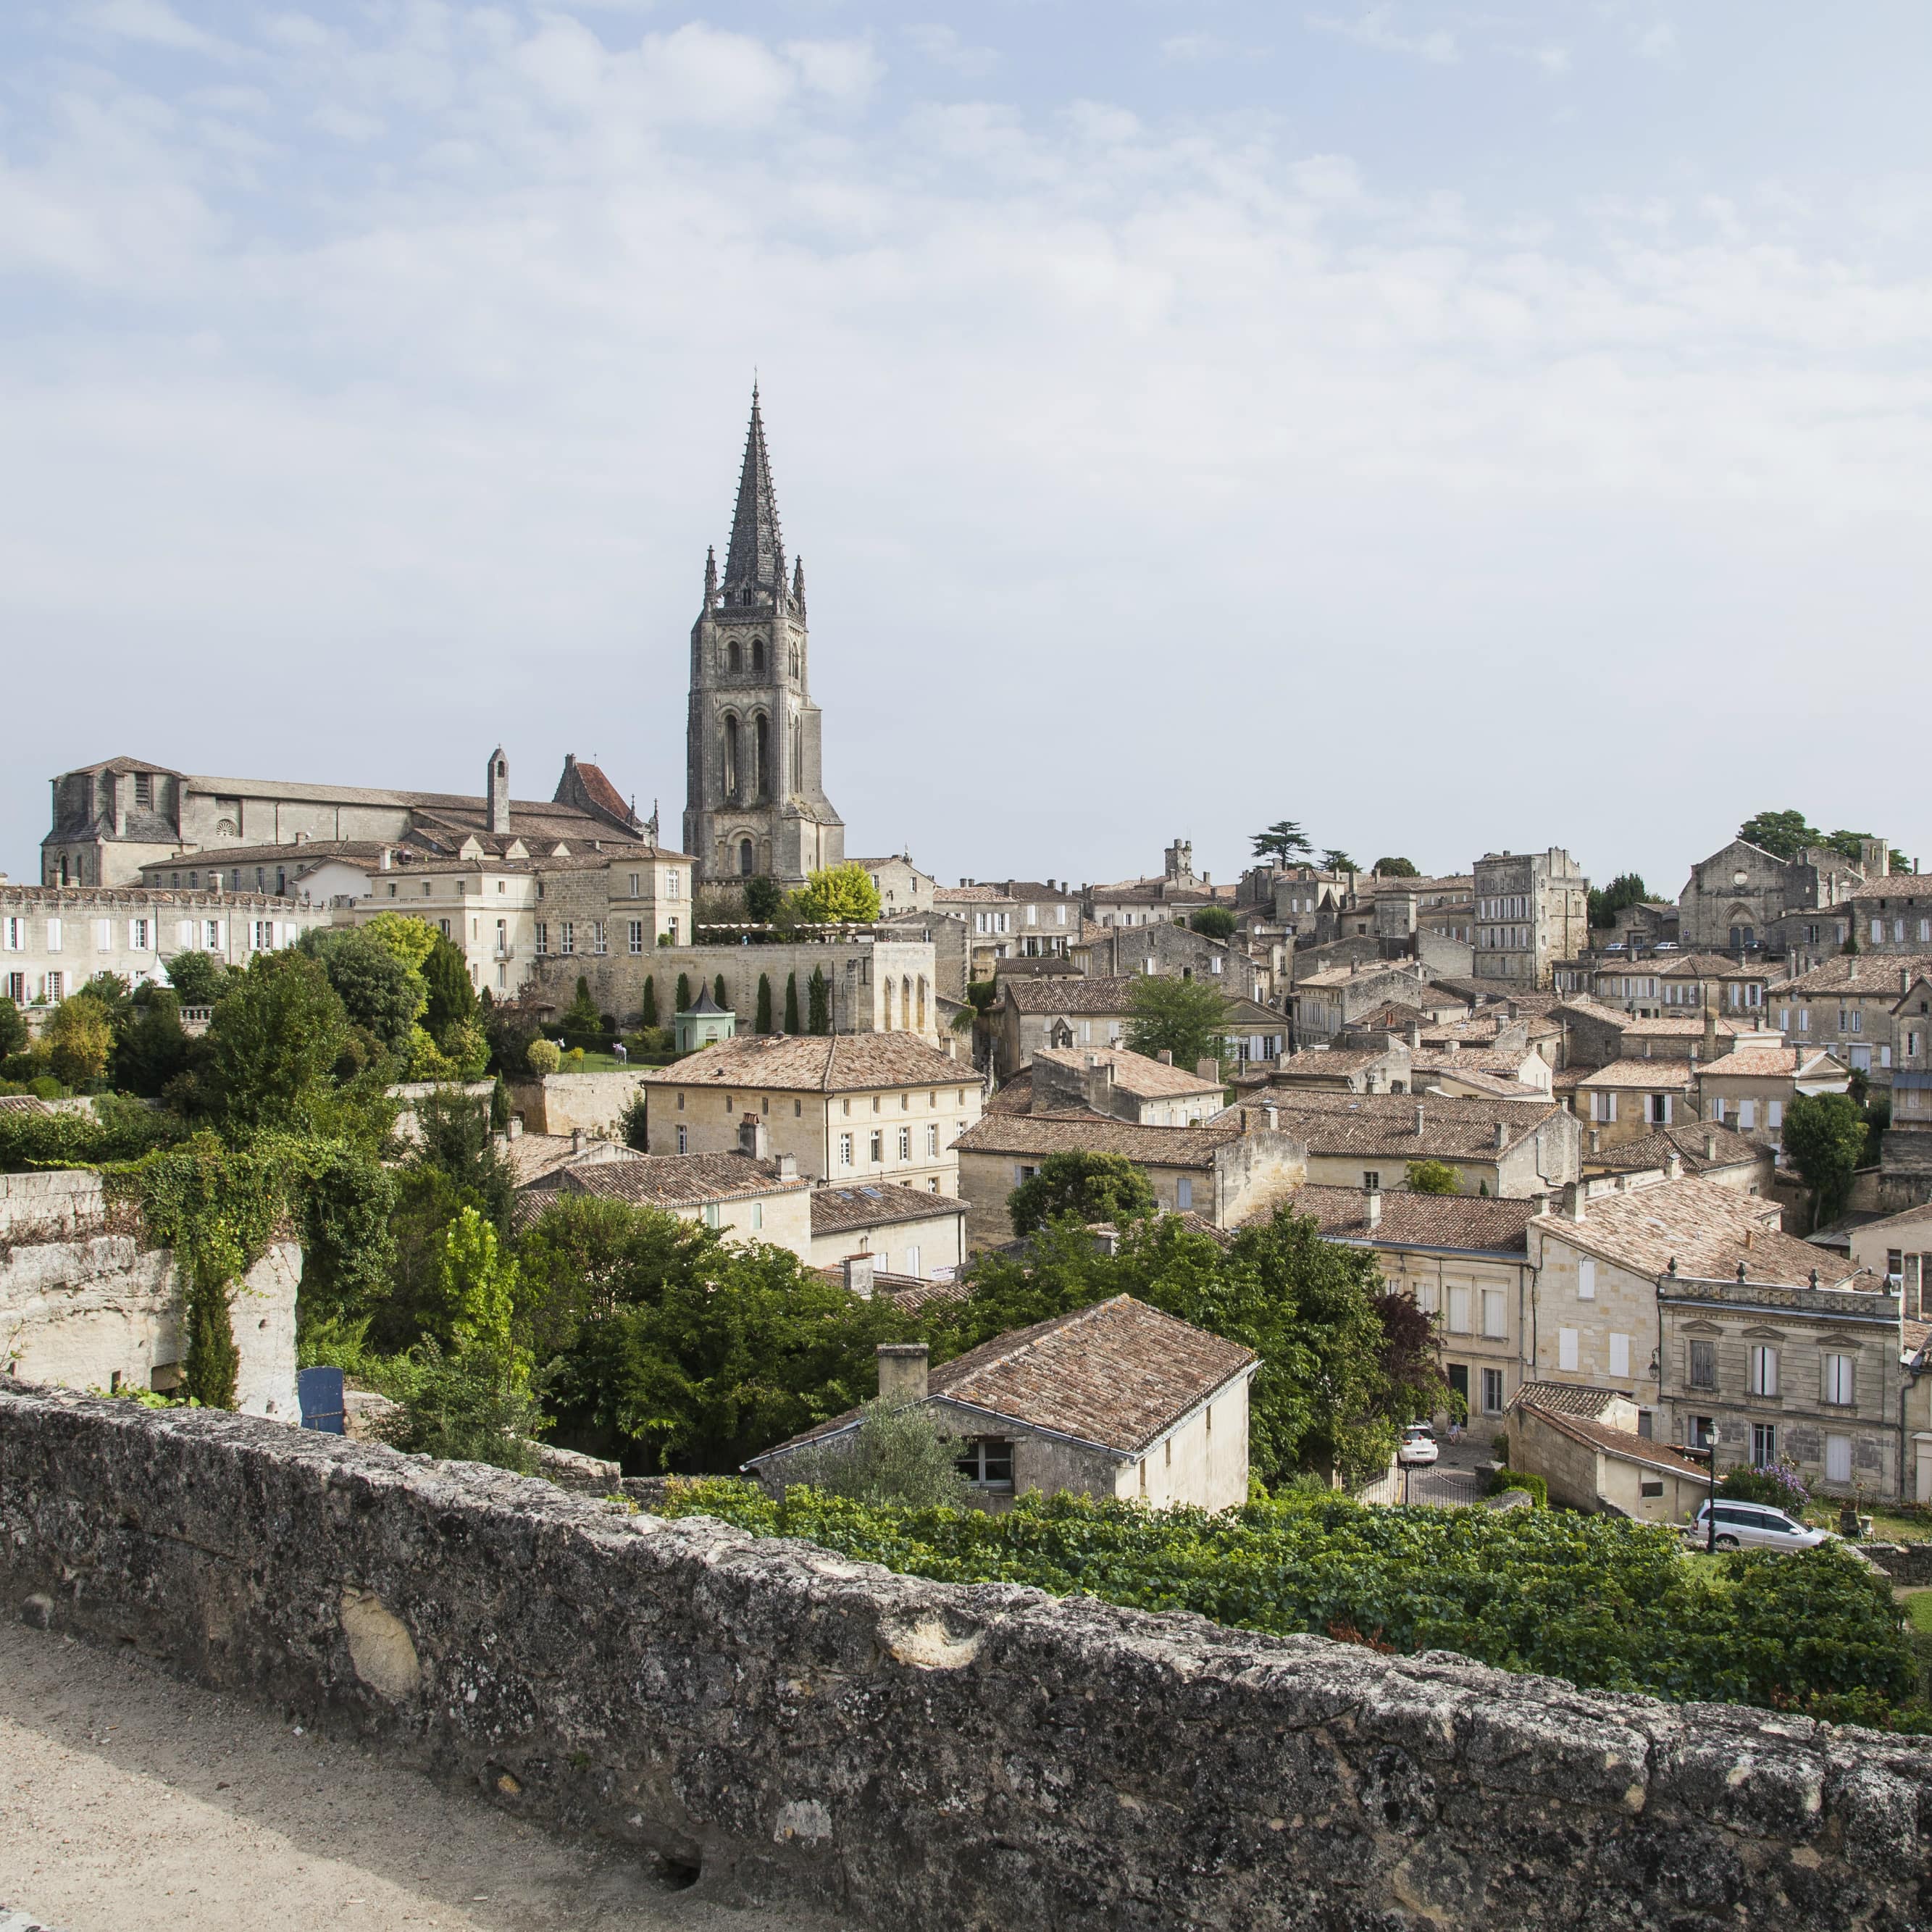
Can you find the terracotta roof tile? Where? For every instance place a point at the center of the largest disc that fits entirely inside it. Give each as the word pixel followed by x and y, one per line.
pixel 1466 1222
pixel 817 1063
pixel 1652 1075
pixel 836 1210
pixel 1383 1124
pixel 1035 1136
pixel 665 1180
pixel 1874 976
pixel 1625 1444
pixel 1134 1073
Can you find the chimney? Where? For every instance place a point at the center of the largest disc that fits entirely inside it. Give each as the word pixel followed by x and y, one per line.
pixel 753 1138
pixel 1502 1134
pixel 1208 1069
pixel 382 864
pixel 497 780
pixel 1673 1165
pixel 787 1165
pixel 1414 1035
pixel 1710 1144
pixel 1418 1117
pixel 1573 1201
pixel 1372 1208
pixel 577 1140
pixel 902 1370
pixel 1596 1140
pixel 859 1282
pixel 516 1126
pixel 1165 1056
pixel 1271 1113
pixel 1905 979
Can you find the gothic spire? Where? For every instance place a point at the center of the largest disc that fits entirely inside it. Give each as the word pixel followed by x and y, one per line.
pixel 711 577
pixel 754 564
pixel 798 582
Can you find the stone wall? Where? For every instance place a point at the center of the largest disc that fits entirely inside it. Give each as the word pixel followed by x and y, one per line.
pixel 54 1200
pixel 559 1101
pixel 924 1755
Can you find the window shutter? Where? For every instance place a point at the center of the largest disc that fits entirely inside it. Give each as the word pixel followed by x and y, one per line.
pixel 1566 1349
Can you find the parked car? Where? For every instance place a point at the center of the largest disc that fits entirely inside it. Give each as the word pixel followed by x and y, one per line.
pixel 1417 1447
pixel 1742 1525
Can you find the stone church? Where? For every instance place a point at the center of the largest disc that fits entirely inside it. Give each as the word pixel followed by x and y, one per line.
pixel 755 794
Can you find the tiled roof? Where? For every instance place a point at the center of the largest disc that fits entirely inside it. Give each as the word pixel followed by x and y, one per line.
pixel 1702 966
pixel 310 851
pixel 817 1063
pixel 1688 1027
pixel 1655 1076
pixel 1134 1073
pixel 836 1210
pixel 668 1180
pixel 1467 1222
pixel 966 894
pixel 1568 1398
pixel 1488 1086
pixel 22 1103
pixel 1116 1375
pixel 1911 886
pixel 1361 974
pixel 1687 1141
pixel 1037 1135
pixel 1706 1228
pixel 1383 1124
pixel 1069 993
pixel 1875 975
pixel 1753 1063
pixel 1624 1444
pixel 531 1156
pixel 1014 1096
pixel 907 1291
pixel 1585 1007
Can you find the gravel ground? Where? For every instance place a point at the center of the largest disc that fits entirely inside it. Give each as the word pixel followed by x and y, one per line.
pixel 132 1802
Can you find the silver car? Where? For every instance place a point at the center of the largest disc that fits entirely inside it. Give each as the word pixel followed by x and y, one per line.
pixel 1742 1525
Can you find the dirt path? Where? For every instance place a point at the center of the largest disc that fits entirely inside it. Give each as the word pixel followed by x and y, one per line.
pixel 129 1802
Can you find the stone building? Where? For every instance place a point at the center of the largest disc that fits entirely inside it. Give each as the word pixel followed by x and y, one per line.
pixel 1629 1098
pixel 1169 951
pixel 1464 1260
pixel 116 823
pixel 1165 900
pixel 1749 1088
pixel 1067 1010
pixel 901 887
pixel 1226 1171
pixel 1701 1148
pixel 1510 1150
pixel 1848 1004
pixel 54 939
pixel 1587 1445
pixel 1532 909
pixel 1117 1399
pixel 851 1109
pixel 755 790
pixel 1326 1002
pixel 746 1193
pixel 1129 1086
pixel 907 1232
pixel 1892 913
pixel 1743 899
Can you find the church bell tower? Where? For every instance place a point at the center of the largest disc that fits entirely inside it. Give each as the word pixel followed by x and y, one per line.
pixel 755 797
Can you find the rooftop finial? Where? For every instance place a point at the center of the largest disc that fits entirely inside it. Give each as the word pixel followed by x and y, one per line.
pixel 710 576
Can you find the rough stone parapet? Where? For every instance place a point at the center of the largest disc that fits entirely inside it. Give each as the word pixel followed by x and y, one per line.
pixel 921 1754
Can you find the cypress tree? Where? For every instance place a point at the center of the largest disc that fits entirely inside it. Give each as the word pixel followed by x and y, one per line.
pixel 684 992
pixel 764 1019
pixel 819 999
pixel 791 1002
pixel 718 990
pixel 650 1019
pixel 213 1361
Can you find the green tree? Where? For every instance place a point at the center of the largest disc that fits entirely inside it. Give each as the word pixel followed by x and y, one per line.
pixel 378 993
pixel 1432 1177
pixel 763 898
pixel 1335 860
pixel 410 939
pixel 1783 834
pixel 818 996
pixel 199 978
pixel 543 1056
pixel 633 1122
pixel 79 1038
pixel 901 1455
pixel 1089 1186
pixel 273 1039
pixel 1213 922
pixel 717 992
pixel 843 896
pixel 1182 1017
pixel 1396 868
pixel 582 1024
pixel 151 1049
pixel 1825 1140
pixel 13 1032
pixel 451 997
pixel 1283 841
pixel 683 993
pixel 791 1025
pixel 1624 891
pixel 468 1405
pixel 762 1022
pixel 479 1284
pixel 650 1012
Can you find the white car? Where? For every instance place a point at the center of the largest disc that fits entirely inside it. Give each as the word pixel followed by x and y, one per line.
pixel 1742 1525
pixel 1418 1447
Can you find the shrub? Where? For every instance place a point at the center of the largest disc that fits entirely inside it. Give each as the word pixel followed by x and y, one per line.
pixel 1432 1177
pixel 544 1056
pixel 1092 1186
pixel 900 1455
pixel 80 1036
pixel 1533 1486
pixel 1777 1484
pixel 469 1405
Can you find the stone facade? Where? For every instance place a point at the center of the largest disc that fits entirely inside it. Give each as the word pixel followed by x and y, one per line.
pixel 54 939
pixel 1744 898
pixel 754 790
pixel 790 1724
pixel 1532 909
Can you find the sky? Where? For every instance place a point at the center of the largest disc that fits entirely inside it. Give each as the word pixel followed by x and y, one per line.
pixel 1453 429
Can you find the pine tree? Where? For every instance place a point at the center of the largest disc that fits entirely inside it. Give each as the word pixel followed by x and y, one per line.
pixel 819 1001
pixel 650 1019
pixel 718 992
pixel 791 1002
pixel 763 1022
pixel 213 1361
pixel 684 992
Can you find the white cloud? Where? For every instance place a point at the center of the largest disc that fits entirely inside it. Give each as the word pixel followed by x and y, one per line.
pixel 1657 43
pixel 1191 47
pixel 1375 27
pixel 944 47
pixel 154 23
pixel 847 72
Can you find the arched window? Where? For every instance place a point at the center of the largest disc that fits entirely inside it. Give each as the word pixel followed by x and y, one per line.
pixel 747 859
pixel 797 755
pixel 734 658
pixel 921 1002
pixel 794 658
pixel 730 757
pixel 757 653
pixel 905 1002
pixel 761 756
